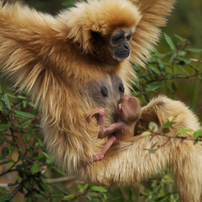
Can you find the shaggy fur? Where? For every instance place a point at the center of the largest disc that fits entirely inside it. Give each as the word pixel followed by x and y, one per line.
pixel 57 59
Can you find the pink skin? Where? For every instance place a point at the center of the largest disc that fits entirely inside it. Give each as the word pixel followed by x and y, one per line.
pixel 124 128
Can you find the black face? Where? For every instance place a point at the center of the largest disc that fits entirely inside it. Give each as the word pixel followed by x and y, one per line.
pixel 120 44
pixel 106 94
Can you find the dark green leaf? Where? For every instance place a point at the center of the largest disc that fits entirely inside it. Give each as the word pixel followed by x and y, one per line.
pixel 28 138
pixel 4 127
pixel 11 148
pixel 166 128
pixel 25 124
pixel 24 114
pixel 57 195
pixel 39 196
pixel 0 90
pixel 68 3
pixel 5 197
pixel 4 162
pixel 69 197
pixel 5 151
pixel 2 139
pixel 35 168
pixel 154 69
pixel 7 101
pixel 153 86
pixel 57 170
pixel 170 42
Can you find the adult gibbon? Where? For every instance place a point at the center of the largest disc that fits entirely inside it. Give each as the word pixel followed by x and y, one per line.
pixel 79 61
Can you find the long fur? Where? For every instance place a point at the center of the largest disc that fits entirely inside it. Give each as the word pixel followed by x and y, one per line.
pixel 57 60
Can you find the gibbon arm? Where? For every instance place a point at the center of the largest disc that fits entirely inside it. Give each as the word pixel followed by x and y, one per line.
pixel 29 46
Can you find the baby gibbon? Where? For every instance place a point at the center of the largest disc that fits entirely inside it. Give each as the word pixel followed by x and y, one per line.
pixel 80 60
pixel 124 128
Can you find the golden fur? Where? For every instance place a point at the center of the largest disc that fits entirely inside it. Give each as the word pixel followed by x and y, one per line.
pixel 58 61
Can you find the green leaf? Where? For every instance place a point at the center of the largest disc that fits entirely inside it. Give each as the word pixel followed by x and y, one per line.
pixel 180 38
pixel 5 151
pixel 153 127
pixel 39 142
pixel 170 42
pixel 68 3
pixel 7 101
pixel 4 127
pixel 171 57
pixel 11 95
pixel 193 50
pixel 166 128
pixel 2 140
pixel 184 61
pixel 4 162
pixel 28 138
pixel 25 124
pixel 5 197
pixel 39 196
pixel 11 148
pixel 57 195
pixel 153 86
pixel 98 189
pixel 184 70
pixel 181 131
pixel 152 151
pixel 44 187
pixel 57 170
pixel 198 133
pixel 154 69
pixel 22 97
pixel 0 90
pixel 146 133
pixel 81 189
pixel 24 114
pixel 35 168
pixel 69 197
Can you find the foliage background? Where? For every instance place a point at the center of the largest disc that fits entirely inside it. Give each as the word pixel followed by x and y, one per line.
pixel 22 153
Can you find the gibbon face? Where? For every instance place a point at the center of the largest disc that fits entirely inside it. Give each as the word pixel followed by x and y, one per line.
pixel 116 45
pixel 120 44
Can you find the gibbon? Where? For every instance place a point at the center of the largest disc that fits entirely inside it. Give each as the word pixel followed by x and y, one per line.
pixel 80 60
pixel 130 112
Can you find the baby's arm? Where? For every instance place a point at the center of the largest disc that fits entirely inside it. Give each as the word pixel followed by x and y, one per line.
pixel 101 122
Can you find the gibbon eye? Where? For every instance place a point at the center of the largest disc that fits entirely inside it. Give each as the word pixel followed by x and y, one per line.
pixel 121 88
pixel 96 35
pixel 128 37
pixel 104 91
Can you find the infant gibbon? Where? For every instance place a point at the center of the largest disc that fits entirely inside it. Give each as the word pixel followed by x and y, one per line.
pixel 124 128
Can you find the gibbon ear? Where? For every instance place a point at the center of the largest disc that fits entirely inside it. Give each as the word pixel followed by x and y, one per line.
pixel 154 13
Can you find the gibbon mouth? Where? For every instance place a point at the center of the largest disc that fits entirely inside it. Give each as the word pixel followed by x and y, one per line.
pixel 121 55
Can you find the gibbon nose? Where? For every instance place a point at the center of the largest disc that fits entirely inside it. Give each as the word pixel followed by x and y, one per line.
pixel 126 45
